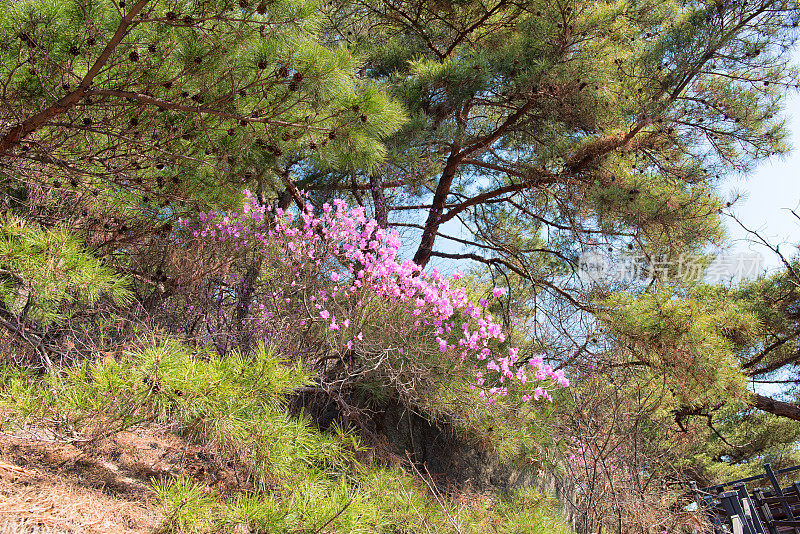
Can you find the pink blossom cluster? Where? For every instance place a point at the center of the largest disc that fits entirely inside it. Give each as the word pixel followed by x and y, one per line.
pixel 333 263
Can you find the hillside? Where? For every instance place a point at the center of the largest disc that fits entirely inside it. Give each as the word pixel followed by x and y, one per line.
pixel 389 266
pixel 218 453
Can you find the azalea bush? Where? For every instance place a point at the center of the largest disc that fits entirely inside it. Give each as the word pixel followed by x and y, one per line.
pixel 334 278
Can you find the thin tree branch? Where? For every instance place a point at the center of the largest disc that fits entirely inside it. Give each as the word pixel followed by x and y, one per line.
pixel 515 269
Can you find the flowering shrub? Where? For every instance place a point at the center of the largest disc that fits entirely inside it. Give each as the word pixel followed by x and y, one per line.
pixel 336 276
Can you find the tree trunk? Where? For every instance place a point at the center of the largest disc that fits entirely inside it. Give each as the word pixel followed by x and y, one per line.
pixel 379 199
pixel 779 408
pixel 437 208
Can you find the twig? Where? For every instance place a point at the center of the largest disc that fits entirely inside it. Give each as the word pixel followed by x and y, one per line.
pixel 411 503
pixel 328 522
pixel 30 338
pixel 434 492
pixel 790 269
pixel 16 469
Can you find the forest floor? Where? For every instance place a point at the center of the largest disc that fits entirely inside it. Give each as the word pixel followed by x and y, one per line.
pixel 49 486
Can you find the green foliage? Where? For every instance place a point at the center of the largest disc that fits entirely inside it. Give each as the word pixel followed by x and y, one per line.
pixel 261 513
pixel 412 510
pixel 575 117
pixel 384 500
pixel 235 403
pixel 773 300
pixel 46 275
pixel 703 348
pixel 192 72
pixel 185 503
pixel 745 439
pixel 690 338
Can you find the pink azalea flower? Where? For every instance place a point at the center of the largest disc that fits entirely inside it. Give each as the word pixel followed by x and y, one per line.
pixel 307 242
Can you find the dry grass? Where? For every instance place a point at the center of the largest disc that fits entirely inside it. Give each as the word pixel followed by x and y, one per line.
pixel 55 487
pixel 57 505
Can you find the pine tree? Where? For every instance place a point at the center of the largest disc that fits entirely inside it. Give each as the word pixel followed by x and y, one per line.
pixel 543 129
pixel 725 362
pixel 122 115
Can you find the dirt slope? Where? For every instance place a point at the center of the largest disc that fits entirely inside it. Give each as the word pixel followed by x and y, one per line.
pixel 99 487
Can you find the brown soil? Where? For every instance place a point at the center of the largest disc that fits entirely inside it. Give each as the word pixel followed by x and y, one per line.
pixel 98 487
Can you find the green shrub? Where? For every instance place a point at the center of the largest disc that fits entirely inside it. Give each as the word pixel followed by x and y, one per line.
pixel 304 480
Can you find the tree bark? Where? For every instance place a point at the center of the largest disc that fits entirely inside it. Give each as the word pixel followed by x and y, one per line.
pixel 379 200
pixel 779 408
pixel 437 208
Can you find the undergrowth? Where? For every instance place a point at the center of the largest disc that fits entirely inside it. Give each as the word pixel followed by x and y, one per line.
pixel 300 479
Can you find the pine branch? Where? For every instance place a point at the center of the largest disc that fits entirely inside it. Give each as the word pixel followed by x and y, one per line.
pixel 200 110
pixel 30 125
pixel 473 27
pixel 776 407
pixel 489 195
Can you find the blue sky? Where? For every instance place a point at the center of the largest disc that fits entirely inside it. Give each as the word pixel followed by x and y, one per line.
pixel 769 192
